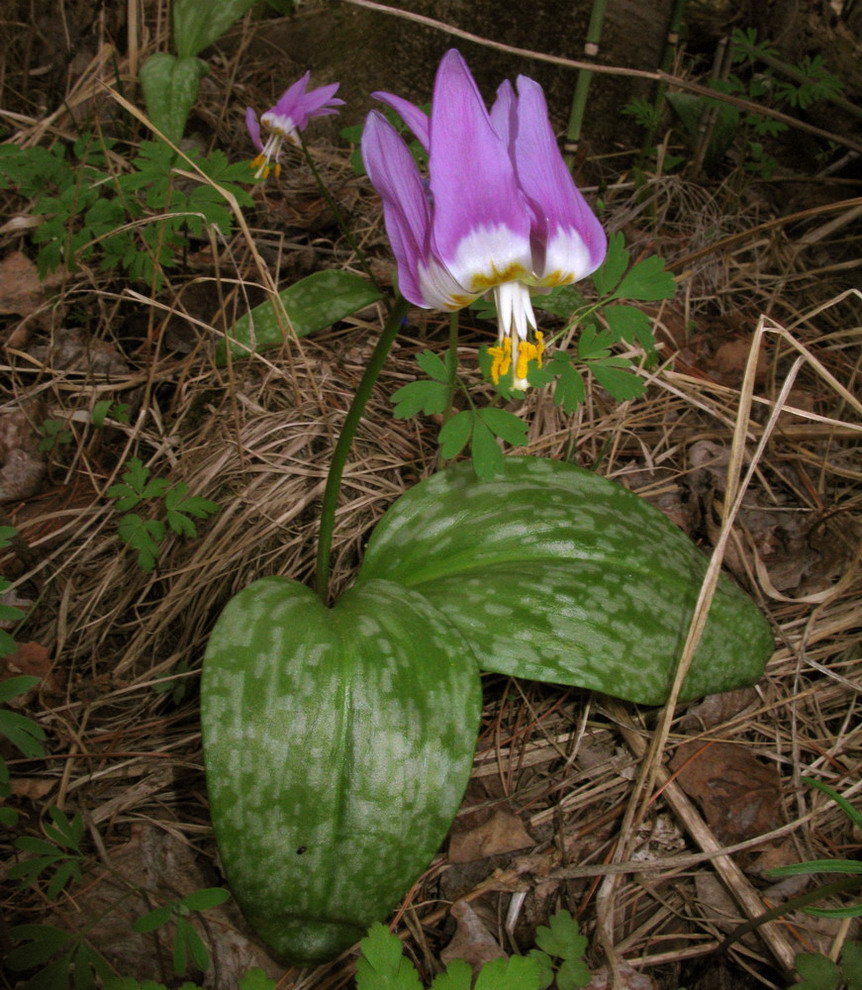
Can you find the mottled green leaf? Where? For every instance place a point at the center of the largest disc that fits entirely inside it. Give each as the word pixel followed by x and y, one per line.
pixel 555 574
pixel 315 302
pixel 338 742
pixel 170 86
pixel 197 25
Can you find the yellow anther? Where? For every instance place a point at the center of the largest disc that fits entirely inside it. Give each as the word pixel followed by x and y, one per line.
pixel 502 356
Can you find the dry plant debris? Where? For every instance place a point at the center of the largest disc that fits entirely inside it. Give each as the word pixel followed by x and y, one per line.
pixel 756 341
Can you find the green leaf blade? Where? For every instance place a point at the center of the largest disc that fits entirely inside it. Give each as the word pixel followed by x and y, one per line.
pixel 313 303
pixel 310 852
pixel 555 574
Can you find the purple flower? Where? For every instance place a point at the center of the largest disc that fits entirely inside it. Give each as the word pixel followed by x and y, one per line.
pixel 286 119
pixel 500 212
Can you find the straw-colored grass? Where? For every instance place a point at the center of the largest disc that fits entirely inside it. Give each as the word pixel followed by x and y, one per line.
pixel 617 839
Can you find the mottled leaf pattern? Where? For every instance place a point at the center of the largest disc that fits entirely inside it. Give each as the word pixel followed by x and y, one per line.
pixel 555 574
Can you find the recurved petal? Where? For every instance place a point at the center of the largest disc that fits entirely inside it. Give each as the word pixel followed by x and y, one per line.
pixel 481 227
pixel 394 175
pixel 320 102
pixel 568 241
pixel 287 102
pixel 503 113
pixel 413 117
pixel 253 127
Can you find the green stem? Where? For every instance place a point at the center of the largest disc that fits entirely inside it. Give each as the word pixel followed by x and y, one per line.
pixel 585 77
pixel 453 369
pixel 668 55
pixel 794 904
pixel 342 446
pixel 343 226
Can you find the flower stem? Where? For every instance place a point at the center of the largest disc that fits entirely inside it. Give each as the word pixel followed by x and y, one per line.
pixel 342 446
pixel 342 224
pixel 453 370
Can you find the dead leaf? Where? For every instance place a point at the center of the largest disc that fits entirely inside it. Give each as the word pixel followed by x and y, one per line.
pixel 629 979
pixel 727 364
pixel 22 464
pixel 719 907
pixel 501 833
pixel 153 868
pixel 71 349
pixel 716 709
pixel 740 796
pixel 35 660
pixel 32 788
pixel 11 597
pixel 22 293
pixel 472 941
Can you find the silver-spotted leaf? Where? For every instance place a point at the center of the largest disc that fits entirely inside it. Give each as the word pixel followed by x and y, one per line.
pixel 338 743
pixel 312 303
pixel 555 574
pixel 170 87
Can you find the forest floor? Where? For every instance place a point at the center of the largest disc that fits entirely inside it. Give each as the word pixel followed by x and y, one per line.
pixel 101 366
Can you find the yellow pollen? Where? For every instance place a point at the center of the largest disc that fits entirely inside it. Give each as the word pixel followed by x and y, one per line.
pixel 262 167
pixel 528 352
pixel 502 356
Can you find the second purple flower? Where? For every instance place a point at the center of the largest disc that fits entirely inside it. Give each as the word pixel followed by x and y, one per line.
pixel 500 212
pixel 286 119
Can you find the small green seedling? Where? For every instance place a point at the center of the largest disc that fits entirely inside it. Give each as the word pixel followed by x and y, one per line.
pixel 852 867
pixel 145 534
pixel 60 852
pixel 24 734
pixel 106 409
pixel 187 943
pixel 558 961
pixel 819 972
pixel 62 960
pixel 54 434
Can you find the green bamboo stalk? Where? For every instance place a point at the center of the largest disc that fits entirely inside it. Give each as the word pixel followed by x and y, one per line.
pixel 585 77
pixel 668 57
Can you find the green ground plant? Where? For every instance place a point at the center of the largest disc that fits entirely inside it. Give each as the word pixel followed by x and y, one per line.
pixel 58 853
pixel 558 961
pixel 759 77
pixel 604 324
pixel 172 502
pixel 819 972
pixel 24 734
pixel 132 217
pixel 188 946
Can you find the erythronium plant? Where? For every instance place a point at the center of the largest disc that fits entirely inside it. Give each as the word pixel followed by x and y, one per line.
pixel 287 119
pixel 339 737
pixel 500 212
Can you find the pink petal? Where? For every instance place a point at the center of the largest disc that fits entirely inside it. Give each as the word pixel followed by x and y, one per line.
pixel 481 221
pixel 394 175
pixel 569 242
pixel 413 117
pixel 253 127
